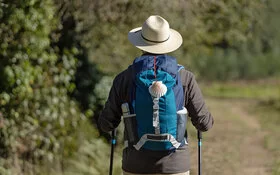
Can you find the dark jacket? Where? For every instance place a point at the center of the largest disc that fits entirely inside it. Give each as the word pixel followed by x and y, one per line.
pixel 145 161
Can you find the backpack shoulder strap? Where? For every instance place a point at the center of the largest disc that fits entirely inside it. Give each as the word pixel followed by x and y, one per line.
pixel 183 76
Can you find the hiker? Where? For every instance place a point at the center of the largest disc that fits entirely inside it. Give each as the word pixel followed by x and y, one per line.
pixel 159 93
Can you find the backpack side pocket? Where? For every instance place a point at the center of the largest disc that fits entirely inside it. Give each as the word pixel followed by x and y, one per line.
pixel 181 124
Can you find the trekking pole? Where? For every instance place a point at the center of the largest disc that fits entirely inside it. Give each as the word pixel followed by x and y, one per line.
pixel 199 137
pixel 113 143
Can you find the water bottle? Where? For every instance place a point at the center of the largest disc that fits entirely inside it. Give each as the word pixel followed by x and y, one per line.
pixel 130 123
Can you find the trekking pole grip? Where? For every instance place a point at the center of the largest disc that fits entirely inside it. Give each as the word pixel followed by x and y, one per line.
pixel 199 134
pixel 114 133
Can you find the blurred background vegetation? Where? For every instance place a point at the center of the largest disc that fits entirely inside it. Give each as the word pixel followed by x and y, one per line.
pixel 58 59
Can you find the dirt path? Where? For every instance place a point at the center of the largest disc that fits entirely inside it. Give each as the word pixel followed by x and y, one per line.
pixel 235 145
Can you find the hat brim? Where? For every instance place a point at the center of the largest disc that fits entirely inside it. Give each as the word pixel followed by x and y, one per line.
pixel 171 44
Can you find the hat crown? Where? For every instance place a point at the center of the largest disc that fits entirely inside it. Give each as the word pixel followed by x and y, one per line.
pixel 155 36
pixel 155 29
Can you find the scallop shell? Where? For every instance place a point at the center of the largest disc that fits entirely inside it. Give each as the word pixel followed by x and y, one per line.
pixel 157 89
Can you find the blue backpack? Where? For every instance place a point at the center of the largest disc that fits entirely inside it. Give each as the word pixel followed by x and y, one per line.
pixel 160 119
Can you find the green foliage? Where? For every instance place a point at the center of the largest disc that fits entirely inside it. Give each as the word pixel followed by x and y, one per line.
pixel 71 34
pixel 39 119
pixel 102 89
pixel 92 160
pixel 232 35
pixel 110 22
pixel 86 79
pixel 229 64
pixel 204 25
pixel 3 169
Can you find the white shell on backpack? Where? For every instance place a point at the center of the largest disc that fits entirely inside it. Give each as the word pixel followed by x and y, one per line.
pixel 157 89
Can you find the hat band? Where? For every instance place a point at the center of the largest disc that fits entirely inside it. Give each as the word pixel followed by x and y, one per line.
pixel 154 41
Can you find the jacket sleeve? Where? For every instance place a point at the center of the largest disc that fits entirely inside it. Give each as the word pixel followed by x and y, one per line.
pixel 110 116
pixel 200 116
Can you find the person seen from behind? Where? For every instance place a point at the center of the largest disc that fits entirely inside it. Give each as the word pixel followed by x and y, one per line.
pixel 159 95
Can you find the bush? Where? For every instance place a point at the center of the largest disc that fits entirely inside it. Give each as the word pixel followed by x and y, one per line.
pixel 38 117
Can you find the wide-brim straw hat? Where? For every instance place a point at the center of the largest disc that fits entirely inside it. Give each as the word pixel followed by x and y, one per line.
pixel 155 36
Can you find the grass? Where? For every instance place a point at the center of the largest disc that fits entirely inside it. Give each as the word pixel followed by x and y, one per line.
pixel 269 117
pixel 266 108
pixel 260 90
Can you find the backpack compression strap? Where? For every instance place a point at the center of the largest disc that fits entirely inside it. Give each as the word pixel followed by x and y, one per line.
pixel 156 123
